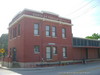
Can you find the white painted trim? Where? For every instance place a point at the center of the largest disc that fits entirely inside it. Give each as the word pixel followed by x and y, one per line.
pixel 44 19
pixel 16 21
pixel 50 13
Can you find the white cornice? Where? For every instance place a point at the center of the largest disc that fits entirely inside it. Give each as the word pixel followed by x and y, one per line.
pixel 34 17
pixel 16 21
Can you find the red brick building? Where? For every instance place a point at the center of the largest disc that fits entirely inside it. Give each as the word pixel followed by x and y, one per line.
pixel 44 37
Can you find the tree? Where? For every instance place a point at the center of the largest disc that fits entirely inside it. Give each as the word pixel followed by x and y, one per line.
pixel 94 36
pixel 4 42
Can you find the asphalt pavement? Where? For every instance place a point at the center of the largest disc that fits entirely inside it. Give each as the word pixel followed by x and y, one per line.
pixel 91 68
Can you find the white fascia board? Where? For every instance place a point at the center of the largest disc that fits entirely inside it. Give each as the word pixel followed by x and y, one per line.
pixel 34 17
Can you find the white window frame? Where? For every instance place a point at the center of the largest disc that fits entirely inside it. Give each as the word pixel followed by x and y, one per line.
pixel 36 29
pixel 36 50
pixel 53 31
pixel 54 50
pixel 48 53
pixel 63 32
pixel 47 30
pixel 64 52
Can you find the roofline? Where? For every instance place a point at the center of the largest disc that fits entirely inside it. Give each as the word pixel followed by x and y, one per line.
pixel 34 17
pixel 86 38
pixel 32 10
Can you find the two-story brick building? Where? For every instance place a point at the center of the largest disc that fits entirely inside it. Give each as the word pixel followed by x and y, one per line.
pixel 45 37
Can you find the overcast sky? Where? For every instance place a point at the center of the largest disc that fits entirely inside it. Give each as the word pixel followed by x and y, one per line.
pixel 85 14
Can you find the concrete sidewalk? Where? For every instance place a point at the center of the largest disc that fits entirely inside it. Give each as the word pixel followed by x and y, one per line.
pixel 54 67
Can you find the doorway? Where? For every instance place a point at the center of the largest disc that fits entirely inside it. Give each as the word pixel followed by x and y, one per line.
pixel 98 53
pixel 86 53
pixel 14 54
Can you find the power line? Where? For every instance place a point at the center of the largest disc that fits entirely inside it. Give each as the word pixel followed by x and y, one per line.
pixel 89 9
pixel 80 8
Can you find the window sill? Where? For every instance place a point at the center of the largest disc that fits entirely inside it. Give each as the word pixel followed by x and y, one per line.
pixel 54 54
pixel 49 59
pixel 36 35
pixel 54 37
pixel 48 36
pixel 64 38
pixel 14 38
pixel 36 52
pixel 64 57
pixel 18 36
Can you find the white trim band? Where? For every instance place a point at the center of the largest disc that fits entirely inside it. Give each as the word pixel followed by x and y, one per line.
pixel 34 17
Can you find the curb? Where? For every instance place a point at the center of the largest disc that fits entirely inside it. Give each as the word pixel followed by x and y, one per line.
pixel 27 69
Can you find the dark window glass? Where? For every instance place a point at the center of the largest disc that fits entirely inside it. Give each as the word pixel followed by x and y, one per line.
pixel 15 31
pixel 36 49
pixel 18 29
pixel 10 34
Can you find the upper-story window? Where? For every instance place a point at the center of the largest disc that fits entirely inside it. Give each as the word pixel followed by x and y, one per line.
pixel 36 29
pixel 63 33
pixel 10 34
pixel 53 31
pixel 47 30
pixel 14 32
pixel 18 29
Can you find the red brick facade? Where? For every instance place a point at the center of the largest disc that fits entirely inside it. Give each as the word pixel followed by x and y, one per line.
pixel 80 53
pixel 25 42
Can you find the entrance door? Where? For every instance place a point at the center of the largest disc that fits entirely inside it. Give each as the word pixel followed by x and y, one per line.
pixel 86 53
pixel 14 54
pixel 98 53
pixel 48 53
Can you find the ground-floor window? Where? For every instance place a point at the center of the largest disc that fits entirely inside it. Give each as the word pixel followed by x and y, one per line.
pixel 36 49
pixel 54 50
pixel 64 52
